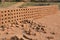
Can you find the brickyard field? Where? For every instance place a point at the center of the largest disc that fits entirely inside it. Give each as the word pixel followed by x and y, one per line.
pixel 29 21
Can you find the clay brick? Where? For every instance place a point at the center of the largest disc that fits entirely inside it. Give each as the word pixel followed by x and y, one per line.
pixel 33 12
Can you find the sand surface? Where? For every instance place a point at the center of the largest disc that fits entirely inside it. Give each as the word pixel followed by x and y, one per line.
pixel 52 23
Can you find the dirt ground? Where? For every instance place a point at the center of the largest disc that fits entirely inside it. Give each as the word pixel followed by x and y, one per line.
pixel 16 5
pixel 52 23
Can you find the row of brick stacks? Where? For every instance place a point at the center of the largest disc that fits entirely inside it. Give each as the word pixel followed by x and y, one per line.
pixel 12 15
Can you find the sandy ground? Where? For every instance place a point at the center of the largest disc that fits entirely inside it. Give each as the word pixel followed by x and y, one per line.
pixel 52 23
pixel 16 5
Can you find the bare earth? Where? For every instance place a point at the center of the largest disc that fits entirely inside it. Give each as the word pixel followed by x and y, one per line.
pixel 52 23
pixel 16 5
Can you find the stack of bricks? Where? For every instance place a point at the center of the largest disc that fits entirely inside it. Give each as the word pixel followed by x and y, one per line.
pixel 8 16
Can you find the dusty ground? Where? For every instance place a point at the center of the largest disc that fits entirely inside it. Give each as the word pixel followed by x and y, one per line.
pixel 52 23
pixel 16 5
